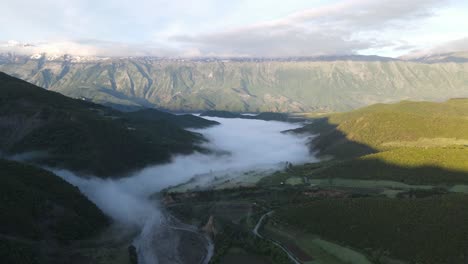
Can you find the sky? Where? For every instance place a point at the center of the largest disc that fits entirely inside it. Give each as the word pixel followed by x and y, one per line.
pixel 241 28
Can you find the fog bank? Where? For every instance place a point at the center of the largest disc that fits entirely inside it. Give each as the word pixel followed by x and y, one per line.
pixel 237 144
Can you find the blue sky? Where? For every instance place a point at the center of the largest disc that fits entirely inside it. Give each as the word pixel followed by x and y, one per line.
pixel 252 28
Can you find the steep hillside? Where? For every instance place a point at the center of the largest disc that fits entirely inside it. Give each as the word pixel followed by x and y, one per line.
pixel 51 129
pixel 320 84
pixel 410 142
pixel 37 206
pixel 387 126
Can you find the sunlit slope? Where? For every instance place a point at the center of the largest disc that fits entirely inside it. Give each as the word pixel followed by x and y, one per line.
pixel 386 126
pixel 411 165
pixel 251 86
pixel 58 131
pixel 401 123
pixel 412 142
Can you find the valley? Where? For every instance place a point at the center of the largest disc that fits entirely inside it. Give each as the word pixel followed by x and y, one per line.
pixel 366 193
pixel 315 188
pixel 234 132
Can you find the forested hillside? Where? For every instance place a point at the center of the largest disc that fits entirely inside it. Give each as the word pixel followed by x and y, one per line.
pixel 54 130
pixel 411 142
pixel 38 208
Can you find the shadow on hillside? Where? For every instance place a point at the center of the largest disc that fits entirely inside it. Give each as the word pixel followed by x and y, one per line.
pixel 120 95
pixel 377 169
pixel 332 142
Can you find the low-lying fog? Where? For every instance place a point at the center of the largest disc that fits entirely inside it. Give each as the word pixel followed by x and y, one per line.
pixel 251 144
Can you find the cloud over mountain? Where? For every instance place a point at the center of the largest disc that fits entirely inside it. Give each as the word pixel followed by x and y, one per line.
pixel 210 28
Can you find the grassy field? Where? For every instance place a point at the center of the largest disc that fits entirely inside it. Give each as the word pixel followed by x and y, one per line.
pixel 416 166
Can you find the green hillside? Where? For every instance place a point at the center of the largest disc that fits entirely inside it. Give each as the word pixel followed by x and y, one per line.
pixel 35 206
pixel 410 142
pixel 57 131
pixel 321 84
pixel 417 230
pixel 385 186
pixel 386 126
pixel 414 165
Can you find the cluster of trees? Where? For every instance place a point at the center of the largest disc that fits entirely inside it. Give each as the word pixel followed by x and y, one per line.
pixel 17 252
pixel 37 206
pixel 419 230
pixel 234 236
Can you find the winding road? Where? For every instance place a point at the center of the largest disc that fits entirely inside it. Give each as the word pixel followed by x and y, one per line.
pixel 189 228
pixel 255 231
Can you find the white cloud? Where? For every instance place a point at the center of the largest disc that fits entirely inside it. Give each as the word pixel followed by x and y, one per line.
pixel 456 45
pixel 241 28
pixel 342 28
pixel 86 48
pixel 452 46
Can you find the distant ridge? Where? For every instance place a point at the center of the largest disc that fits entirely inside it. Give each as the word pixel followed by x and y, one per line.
pixel 299 84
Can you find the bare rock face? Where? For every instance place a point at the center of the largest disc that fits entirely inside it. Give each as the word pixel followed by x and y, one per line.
pixel 168 199
pixel 321 84
pixel 209 228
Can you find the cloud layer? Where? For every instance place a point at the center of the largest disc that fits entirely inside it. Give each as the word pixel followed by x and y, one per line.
pixel 342 28
pixel 252 144
pixel 241 28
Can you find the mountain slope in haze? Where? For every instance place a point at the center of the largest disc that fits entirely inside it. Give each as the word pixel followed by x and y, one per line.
pixel 184 120
pixel 54 130
pixel 301 85
pixel 456 57
pixel 266 116
pixel 40 213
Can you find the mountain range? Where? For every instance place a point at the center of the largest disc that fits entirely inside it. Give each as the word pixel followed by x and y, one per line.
pixel 325 84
